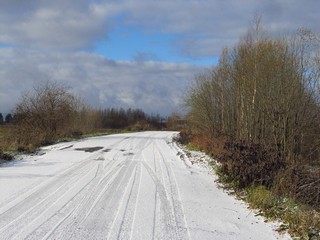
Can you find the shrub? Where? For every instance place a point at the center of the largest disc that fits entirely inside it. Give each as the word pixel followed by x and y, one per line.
pixel 250 164
pixel 301 182
pixel 299 219
pixel 262 198
pixel 5 156
pixel 184 137
pixel 45 114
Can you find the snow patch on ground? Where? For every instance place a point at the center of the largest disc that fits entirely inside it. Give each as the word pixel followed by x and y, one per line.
pixel 134 186
pixel 204 163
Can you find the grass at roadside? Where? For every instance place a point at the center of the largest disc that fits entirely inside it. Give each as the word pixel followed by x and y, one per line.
pixel 7 142
pixel 9 146
pixel 192 147
pixel 6 145
pixel 300 220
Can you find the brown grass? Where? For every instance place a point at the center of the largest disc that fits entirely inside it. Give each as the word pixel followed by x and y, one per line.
pixel 6 141
pixel 301 182
pixel 215 147
pixel 290 193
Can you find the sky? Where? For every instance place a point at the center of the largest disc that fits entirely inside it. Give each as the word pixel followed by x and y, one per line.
pixel 129 53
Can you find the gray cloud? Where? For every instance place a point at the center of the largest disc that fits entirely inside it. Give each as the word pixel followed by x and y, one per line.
pixel 206 26
pixel 59 24
pixel 49 39
pixel 153 86
pixel 145 56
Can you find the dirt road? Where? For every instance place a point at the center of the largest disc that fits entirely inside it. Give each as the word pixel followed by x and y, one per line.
pixel 126 186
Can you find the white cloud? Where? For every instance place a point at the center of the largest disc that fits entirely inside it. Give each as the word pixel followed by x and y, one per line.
pixel 46 38
pixel 206 26
pixel 153 86
pixel 59 24
pixel 77 24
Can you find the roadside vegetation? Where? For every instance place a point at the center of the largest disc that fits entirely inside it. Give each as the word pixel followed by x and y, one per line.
pixel 51 113
pixel 258 113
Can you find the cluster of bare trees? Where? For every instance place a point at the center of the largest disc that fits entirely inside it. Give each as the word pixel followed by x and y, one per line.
pixel 49 112
pixel 265 90
pixel 130 119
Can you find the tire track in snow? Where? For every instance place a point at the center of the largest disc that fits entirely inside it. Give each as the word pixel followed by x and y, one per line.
pixel 182 231
pixel 80 211
pixel 38 185
pixel 15 209
pixel 98 223
pixel 164 224
pixel 46 230
pixel 122 227
pixel 165 220
pixel 100 188
pixel 76 210
pixel 50 215
pixel 30 219
pixel 47 195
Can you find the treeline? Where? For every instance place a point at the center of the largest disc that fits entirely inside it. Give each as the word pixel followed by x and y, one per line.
pixel 50 112
pixel 264 91
pixel 258 110
pixel 5 120
pixel 131 119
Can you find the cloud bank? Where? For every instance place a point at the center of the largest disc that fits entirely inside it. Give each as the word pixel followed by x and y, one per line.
pixel 156 87
pixel 44 40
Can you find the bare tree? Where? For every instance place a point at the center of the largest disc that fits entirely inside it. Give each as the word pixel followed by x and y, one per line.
pixel 47 112
pixel 264 91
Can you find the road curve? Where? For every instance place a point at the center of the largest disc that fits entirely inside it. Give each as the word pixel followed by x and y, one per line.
pixel 125 186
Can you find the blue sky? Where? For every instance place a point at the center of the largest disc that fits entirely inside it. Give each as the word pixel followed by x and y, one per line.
pixel 129 53
pixel 134 44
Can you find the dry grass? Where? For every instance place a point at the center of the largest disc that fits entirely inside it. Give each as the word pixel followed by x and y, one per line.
pixel 6 141
pixel 290 195
pixel 214 147
pixel 300 220
pixel 301 182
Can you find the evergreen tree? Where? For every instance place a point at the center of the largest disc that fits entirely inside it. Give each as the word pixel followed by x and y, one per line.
pixel 1 119
pixel 8 118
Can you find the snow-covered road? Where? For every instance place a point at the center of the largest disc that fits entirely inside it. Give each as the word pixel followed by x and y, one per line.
pixel 125 186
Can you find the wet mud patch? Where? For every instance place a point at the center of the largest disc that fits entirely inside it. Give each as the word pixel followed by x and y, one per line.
pixel 89 149
pixel 128 154
pixel 99 159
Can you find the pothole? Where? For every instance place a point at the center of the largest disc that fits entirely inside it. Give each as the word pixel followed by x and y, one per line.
pixel 89 149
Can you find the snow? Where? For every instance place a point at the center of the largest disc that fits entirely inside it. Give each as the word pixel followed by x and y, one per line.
pixel 135 186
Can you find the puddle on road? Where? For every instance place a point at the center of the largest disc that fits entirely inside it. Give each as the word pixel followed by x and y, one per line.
pixel 89 149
